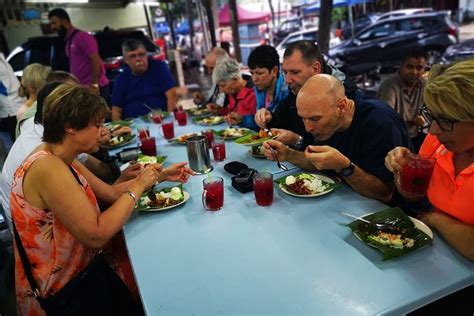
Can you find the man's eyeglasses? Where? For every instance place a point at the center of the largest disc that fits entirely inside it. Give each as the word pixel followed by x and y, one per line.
pixel 444 124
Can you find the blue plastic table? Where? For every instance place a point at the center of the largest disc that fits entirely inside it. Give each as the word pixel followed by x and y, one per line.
pixel 293 257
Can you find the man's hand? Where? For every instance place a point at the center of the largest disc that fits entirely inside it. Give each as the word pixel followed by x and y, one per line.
pixel 262 117
pixel 326 158
pixel 131 172
pixel 234 118
pixel 280 149
pixel 286 137
pixel 198 97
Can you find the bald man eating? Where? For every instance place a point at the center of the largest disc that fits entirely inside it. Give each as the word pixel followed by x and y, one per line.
pixel 351 137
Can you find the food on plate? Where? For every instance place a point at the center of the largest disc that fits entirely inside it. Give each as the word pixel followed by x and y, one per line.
pixel 211 120
pixel 234 132
pixel 258 151
pixel 197 111
pixel 392 240
pixel 146 160
pixel 163 199
pixel 118 140
pixel 182 138
pixel 305 184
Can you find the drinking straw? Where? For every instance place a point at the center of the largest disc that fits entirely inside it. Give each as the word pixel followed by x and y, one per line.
pixel 148 107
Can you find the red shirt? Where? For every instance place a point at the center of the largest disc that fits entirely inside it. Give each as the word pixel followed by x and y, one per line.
pixel 244 103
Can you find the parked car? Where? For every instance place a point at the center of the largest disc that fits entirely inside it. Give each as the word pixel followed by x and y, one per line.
pixel 359 23
pixel 366 20
pixel 387 41
pixel 287 27
pixel 309 34
pixel 459 51
pixel 49 51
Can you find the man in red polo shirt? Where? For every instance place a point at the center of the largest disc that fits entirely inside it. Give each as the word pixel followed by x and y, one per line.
pixel 81 49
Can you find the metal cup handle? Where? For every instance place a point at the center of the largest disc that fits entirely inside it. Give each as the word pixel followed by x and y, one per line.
pixel 203 199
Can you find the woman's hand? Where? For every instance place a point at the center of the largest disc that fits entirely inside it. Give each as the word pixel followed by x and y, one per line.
pixel 396 159
pixel 149 176
pixel 177 173
pixel 262 117
pixel 234 118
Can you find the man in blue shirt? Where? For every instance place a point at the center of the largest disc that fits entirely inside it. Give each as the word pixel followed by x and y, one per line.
pixel 144 82
pixel 351 136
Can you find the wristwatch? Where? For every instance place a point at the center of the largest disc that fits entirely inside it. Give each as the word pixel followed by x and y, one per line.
pixel 348 171
pixel 298 143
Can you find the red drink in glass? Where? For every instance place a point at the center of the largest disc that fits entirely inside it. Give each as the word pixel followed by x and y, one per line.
pixel 218 150
pixel 148 146
pixel 209 135
pixel 223 111
pixel 144 133
pixel 213 195
pixel 416 174
pixel 263 188
pixel 157 116
pixel 168 130
pixel 181 117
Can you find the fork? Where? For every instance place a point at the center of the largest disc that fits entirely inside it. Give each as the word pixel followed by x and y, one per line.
pixel 379 226
pixel 280 165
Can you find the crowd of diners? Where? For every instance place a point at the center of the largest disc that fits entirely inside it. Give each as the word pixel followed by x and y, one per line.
pixel 52 185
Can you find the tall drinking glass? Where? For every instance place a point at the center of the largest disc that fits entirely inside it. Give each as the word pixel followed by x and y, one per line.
pixel 209 133
pixel 416 174
pixel 148 146
pixel 263 188
pixel 213 193
pixel 168 128
pixel 218 149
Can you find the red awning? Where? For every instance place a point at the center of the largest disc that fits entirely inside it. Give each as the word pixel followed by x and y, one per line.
pixel 245 16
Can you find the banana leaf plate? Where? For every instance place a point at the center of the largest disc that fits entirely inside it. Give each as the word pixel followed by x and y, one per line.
pixel 326 184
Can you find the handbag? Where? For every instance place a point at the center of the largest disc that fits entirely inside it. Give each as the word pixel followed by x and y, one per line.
pixel 97 290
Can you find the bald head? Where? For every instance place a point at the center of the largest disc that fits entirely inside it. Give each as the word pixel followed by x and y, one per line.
pixel 214 55
pixel 322 106
pixel 322 87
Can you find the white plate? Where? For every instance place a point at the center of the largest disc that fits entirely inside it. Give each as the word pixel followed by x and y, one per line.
pixel 154 209
pixel 121 144
pixel 246 131
pixel 326 179
pixel 418 224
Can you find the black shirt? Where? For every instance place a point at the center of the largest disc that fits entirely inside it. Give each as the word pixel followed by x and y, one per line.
pixel 375 130
pixel 285 116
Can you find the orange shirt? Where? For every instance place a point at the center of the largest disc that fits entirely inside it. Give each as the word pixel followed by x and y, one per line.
pixel 450 194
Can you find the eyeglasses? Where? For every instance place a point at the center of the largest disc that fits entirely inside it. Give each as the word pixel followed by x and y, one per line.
pixel 444 124
pixel 135 56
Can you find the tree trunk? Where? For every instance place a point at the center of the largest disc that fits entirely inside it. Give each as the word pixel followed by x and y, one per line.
pixel 272 11
pixel 210 20
pixel 234 18
pixel 324 25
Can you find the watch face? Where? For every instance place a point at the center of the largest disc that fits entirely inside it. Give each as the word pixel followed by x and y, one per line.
pixel 346 172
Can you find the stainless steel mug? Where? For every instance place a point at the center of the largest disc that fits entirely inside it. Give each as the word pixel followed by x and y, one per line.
pixel 198 154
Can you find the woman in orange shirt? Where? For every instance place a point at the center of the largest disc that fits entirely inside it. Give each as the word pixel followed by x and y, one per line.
pixel 449 96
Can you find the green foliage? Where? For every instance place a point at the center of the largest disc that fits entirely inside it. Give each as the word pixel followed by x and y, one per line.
pixel 339 14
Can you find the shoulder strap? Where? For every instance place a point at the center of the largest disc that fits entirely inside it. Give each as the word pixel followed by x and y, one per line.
pixel 26 263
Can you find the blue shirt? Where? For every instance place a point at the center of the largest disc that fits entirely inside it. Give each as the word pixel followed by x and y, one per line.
pixel 131 91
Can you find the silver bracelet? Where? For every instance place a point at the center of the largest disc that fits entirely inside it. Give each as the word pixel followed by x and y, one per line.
pixel 132 195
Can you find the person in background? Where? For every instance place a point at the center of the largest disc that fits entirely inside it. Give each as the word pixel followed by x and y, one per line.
pixel 50 194
pixel 403 91
pixel 82 51
pixel 449 112
pixel 144 83
pixel 270 87
pixel 32 80
pixel 10 102
pixel 214 98
pixel 301 60
pixel 352 137
pixel 242 102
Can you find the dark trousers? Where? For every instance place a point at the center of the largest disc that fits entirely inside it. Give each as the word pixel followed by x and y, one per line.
pixel 8 124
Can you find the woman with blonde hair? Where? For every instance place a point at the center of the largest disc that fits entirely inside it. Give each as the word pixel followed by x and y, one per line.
pixel 59 228
pixel 32 80
pixel 448 95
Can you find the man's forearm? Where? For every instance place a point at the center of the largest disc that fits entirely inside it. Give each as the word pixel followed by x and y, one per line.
pixel 299 159
pixel 95 71
pixel 171 99
pixel 369 185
